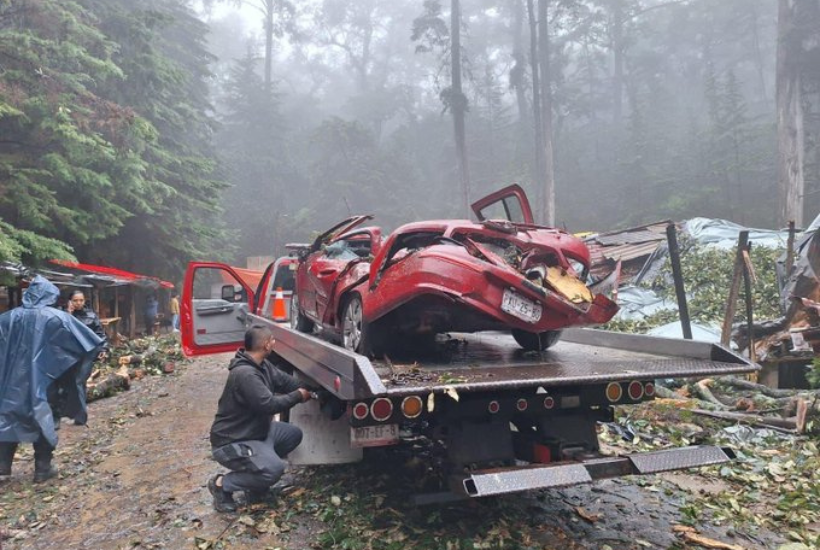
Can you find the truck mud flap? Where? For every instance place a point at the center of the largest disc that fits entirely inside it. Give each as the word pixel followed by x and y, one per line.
pixel 523 478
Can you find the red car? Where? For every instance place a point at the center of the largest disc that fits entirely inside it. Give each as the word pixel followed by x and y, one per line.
pixel 501 273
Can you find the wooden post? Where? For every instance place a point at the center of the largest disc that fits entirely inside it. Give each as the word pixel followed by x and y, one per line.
pixel 677 276
pixel 790 250
pixel 95 299
pixel 116 302
pixel 747 290
pixel 132 316
pixel 734 289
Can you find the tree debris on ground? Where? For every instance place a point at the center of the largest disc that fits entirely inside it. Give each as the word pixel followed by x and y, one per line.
pixel 773 484
pixel 133 360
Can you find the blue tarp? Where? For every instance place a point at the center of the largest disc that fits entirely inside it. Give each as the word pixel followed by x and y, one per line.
pixel 38 345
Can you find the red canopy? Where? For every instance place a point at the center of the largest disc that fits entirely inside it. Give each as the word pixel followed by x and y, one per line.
pixel 113 272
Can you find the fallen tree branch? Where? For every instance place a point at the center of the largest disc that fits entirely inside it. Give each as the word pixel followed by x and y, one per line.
pixel 702 389
pixel 774 423
pixel 109 384
pixel 759 388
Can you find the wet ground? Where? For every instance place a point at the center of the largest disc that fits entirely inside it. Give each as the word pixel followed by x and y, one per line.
pixel 135 478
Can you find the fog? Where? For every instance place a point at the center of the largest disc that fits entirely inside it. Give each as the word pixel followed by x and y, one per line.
pixel 237 126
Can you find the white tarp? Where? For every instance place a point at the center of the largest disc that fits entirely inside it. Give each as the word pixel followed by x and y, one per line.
pixel 638 303
pixel 723 233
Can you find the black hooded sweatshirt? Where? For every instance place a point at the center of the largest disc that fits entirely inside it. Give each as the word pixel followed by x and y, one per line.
pixel 248 401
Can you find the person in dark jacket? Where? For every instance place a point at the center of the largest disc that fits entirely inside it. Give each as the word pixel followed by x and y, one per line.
pixel 150 312
pixel 78 307
pixel 244 437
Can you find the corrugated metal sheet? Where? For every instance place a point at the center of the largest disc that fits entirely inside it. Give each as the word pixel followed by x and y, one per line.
pixel 628 252
pixel 630 237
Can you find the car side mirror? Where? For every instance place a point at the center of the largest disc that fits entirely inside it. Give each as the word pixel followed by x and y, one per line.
pixel 228 293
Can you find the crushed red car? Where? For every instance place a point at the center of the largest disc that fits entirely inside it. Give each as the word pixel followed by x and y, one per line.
pixel 503 272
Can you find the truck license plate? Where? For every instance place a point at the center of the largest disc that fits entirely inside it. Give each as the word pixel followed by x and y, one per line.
pixel 520 307
pixel 374 436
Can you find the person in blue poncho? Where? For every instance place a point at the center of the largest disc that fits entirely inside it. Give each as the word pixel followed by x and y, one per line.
pixel 45 360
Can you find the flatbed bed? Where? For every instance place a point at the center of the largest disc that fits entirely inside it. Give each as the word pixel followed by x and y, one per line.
pixel 493 361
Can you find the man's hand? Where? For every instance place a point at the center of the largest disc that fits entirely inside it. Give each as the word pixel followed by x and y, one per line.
pixel 70 307
pixel 306 395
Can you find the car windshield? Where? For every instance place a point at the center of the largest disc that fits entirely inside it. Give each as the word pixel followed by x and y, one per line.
pixel 340 250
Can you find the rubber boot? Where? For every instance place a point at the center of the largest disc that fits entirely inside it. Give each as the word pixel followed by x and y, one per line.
pixel 6 457
pixel 43 470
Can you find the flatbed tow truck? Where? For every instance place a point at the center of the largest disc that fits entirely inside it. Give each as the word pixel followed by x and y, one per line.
pixel 507 420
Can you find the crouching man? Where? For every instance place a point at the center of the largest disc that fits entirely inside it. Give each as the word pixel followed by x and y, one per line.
pixel 244 437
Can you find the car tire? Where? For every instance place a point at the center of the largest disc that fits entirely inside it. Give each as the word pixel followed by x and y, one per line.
pixel 298 321
pixel 536 341
pixel 356 331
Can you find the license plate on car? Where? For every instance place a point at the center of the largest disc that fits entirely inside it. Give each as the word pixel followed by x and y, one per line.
pixel 520 307
pixel 374 436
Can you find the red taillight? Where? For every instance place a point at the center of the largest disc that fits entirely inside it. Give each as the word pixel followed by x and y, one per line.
pixel 521 405
pixel 360 411
pixel 635 390
pixel 649 389
pixel 493 407
pixel 549 402
pixel 381 409
pixel 614 392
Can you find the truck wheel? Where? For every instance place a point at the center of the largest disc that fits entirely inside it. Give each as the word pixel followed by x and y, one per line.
pixel 356 332
pixel 298 321
pixel 535 341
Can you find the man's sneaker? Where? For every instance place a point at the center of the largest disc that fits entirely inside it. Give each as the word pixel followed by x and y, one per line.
pixel 223 500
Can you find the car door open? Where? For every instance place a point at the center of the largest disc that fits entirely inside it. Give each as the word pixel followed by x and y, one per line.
pixel 215 304
pixel 509 204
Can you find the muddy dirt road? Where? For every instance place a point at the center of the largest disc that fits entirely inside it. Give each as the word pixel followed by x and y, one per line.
pixel 135 478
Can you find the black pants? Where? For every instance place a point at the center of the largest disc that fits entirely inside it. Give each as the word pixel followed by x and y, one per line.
pixel 257 464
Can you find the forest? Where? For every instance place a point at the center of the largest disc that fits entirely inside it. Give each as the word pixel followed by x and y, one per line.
pixel 145 133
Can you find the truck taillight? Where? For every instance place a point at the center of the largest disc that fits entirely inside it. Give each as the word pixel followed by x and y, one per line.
pixel 381 409
pixel 411 406
pixel 360 411
pixel 493 407
pixel 549 403
pixel 521 405
pixel 635 390
pixel 649 389
pixel 614 392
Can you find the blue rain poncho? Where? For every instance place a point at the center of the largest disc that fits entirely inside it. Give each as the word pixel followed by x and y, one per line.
pixel 38 345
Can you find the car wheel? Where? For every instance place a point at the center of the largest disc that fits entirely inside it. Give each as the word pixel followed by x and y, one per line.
pixel 356 334
pixel 536 341
pixel 298 321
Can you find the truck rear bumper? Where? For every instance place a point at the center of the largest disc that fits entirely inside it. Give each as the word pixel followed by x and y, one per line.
pixel 522 478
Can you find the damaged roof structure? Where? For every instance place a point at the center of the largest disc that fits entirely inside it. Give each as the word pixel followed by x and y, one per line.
pixel 789 329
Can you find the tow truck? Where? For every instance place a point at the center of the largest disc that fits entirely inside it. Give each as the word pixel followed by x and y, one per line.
pixel 507 420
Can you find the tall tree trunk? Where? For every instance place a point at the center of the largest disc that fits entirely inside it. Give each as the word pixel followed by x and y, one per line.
pixel 458 104
pixel 548 205
pixel 617 62
pixel 269 45
pixel 518 71
pixel 790 134
pixel 538 175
